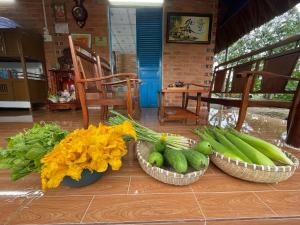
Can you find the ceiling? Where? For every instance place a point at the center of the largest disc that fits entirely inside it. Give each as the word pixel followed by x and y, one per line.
pixel 123 30
pixel 238 17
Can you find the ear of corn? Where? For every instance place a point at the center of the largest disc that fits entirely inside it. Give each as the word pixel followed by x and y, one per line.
pixel 272 151
pixel 219 147
pixel 224 141
pixel 254 155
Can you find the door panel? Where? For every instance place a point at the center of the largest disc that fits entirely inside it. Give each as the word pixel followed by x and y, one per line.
pixel 149 53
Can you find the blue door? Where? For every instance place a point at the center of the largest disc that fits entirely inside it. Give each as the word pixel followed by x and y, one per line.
pixel 149 53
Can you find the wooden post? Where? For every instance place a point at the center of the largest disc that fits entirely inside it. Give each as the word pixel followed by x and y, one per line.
pixel 244 102
pixel 293 126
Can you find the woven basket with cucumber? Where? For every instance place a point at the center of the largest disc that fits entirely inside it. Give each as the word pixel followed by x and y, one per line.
pixel 247 157
pixel 171 159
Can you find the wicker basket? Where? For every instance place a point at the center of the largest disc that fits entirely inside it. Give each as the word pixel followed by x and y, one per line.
pixel 165 175
pixel 253 172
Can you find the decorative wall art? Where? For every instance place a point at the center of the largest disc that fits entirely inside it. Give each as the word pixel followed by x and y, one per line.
pixel 61 28
pixel 189 28
pixel 59 11
pixel 84 39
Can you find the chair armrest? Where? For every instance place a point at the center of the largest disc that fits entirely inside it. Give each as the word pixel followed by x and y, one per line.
pixel 265 73
pixel 104 78
pixel 138 81
pixel 128 75
pixel 121 81
pixel 90 80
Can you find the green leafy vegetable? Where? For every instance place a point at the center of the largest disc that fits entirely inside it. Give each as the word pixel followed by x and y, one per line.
pixel 24 150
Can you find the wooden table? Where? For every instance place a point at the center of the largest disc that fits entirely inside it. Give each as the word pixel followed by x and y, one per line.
pixel 179 112
pixel 61 80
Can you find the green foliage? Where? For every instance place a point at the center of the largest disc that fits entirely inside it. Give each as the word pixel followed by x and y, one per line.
pixel 25 150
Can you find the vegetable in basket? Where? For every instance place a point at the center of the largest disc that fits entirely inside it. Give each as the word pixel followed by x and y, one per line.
pixel 146 134
pixel 195 159
pixel 256 156
pixel 244 147
pixel 218 146
pixel 176 159
pixel 268 149
pixel 203 147
pixel 156 159
pixel 224 141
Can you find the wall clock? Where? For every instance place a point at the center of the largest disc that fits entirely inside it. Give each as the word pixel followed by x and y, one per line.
pixel 80 13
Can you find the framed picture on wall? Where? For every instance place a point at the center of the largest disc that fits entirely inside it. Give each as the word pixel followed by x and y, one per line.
pixel 59 11
pixel 84 39
pixel 191 28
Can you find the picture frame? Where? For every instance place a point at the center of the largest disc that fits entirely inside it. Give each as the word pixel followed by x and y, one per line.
pixel 59 12
pixel 189 28
pixel 84 39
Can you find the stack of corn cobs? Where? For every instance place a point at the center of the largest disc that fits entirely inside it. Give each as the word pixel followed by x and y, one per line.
pixel 243 147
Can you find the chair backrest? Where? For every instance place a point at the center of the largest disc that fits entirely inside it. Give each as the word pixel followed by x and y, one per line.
pixel 283 64
pixel 238 82
pixel 86 62
pixel 218 81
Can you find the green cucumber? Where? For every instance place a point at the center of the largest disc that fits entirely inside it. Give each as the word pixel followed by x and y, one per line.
pixel 156 159
pixel 203 147
pixel 176 159
pixel 195 159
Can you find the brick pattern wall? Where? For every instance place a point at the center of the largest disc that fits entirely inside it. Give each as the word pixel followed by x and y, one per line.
pixel 188 62
pixel 126 63
pixel 29 14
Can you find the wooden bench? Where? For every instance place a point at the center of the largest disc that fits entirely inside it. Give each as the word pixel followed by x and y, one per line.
pixel 236 82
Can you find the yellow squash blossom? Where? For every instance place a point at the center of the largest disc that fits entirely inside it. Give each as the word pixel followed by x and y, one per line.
pixel 94 149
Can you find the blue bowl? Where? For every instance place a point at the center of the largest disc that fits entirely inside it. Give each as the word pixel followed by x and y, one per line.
pixel 87 178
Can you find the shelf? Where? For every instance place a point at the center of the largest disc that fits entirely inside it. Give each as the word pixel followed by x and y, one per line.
pixel 65 105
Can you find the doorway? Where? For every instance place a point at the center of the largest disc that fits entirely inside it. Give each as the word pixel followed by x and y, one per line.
pixel 136 46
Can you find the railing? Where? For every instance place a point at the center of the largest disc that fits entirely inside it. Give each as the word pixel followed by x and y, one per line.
pixel 293 41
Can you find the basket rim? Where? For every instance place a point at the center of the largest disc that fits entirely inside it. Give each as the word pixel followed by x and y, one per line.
pixel 168 172
pixel 284 168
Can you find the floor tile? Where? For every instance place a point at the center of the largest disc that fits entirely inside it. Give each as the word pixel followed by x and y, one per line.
pixel 284 203
pixel 105 185
pixel 226 183
pixel 176 223
pixel 128 169
pixel 151 207
pixel 293 183
pixel 141 185
pixel 31 181
pixel 9 206
pixel 232 205
pixel 257 222
pixel 49 210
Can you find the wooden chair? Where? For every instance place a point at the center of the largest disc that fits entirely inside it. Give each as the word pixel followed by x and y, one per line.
pixel 95 89
pixel 233 78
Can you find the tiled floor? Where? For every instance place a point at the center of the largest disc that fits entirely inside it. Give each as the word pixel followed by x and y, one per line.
pixel 132 197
